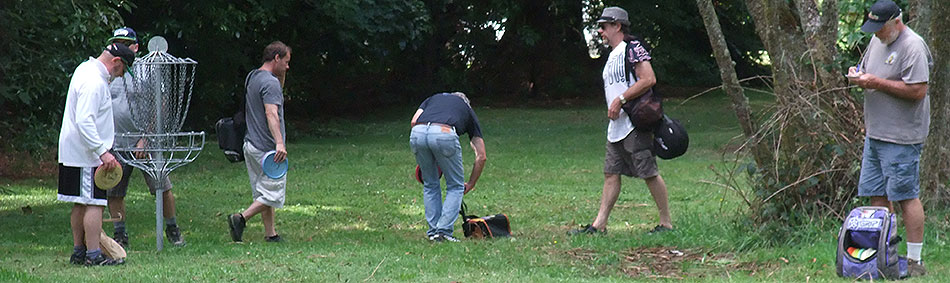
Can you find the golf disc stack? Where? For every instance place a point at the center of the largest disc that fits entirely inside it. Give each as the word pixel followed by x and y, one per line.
pixel 861 254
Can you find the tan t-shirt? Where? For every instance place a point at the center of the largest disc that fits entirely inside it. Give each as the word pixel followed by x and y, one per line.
pixel 886 117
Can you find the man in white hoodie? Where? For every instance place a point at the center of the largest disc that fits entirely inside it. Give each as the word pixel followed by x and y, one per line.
pixel 85 139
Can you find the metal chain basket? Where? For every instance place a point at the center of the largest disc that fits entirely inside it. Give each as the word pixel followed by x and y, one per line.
pixel 158 99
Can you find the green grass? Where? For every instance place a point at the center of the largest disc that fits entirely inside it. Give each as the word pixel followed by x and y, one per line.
pixel 353 213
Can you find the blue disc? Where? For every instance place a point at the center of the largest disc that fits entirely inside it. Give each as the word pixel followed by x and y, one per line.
pixel 273 169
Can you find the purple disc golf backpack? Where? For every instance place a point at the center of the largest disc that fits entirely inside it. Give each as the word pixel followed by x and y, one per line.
pixel 867 245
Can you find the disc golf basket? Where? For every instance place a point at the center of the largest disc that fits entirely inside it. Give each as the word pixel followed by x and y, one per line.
pixel 158 99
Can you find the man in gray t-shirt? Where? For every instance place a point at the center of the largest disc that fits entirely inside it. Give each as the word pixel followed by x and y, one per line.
pixel 894 73
pixel 122 116
pixel 264 114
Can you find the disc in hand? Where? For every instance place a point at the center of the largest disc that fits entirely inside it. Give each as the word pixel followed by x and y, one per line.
pixel 107 179
pixel 273 169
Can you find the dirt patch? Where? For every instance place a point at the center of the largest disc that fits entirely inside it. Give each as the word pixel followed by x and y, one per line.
pixel 674 263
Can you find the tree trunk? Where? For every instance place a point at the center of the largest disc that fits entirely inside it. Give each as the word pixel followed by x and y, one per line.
pixel 730 81
pixel 821 29
pixel 919 16
pixel 935 163
pixel 814 136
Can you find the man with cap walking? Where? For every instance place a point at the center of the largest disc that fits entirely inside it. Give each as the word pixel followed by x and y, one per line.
pixel 894 74
pixel 628 150
pixel 85 139
pixel 120 88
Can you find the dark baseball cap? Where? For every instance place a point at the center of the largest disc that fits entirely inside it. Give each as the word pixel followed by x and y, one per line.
pixel 614 15
pixel 124 53
pixel 881 12
pixel 124 33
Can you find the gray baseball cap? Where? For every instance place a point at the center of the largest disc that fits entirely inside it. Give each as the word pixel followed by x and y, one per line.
pixel 614 15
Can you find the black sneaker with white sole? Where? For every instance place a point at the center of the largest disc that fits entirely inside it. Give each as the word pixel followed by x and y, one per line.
pixel 274 239
pixel 102 260
pixel 659 229
pixel 173 233
pixel 448 238
pixel 586 230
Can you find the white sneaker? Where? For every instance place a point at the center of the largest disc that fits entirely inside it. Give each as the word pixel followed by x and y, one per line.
pixel 449 238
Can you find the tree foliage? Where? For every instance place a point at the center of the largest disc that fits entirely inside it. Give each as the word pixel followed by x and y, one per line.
pixel 42 43
pixel 350 56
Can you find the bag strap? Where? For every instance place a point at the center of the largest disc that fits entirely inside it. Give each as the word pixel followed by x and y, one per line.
pixel 465 217
pixel 247 83
pixel 462 210
pixel 627 66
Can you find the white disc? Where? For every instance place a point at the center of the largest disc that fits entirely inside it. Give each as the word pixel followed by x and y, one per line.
pixel 157 43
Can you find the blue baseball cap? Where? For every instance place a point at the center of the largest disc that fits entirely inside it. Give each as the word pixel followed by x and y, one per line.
pixel 124 33
pixel 881 12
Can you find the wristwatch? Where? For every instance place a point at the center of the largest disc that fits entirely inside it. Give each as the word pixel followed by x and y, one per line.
pixel 622 101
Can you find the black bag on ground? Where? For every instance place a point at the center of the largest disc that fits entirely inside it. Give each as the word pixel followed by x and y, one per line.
pixel 485 227
pixel 645 111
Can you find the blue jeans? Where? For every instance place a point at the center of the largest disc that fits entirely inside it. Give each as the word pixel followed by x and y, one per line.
pixel 437 147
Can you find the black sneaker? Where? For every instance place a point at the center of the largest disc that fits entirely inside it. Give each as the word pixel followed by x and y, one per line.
pixel 448 238
pixel 122 238
pixel 659 229
pixel 236 222
pixel 102 260
pixel 174 235
pixel 273 239
pixel 435 238
pixel 586 230
pixel 78 257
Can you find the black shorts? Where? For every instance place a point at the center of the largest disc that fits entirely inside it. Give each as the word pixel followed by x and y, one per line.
pixel 76 185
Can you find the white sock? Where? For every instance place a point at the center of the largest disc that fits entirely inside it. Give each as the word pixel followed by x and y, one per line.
pixel 913 250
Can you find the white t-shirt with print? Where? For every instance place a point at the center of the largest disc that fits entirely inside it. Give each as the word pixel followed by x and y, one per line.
pixel 615 83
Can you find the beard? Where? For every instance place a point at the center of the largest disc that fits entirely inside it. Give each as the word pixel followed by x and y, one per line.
pixel 890 36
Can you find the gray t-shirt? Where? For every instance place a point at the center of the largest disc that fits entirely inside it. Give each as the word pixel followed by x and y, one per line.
pixel 122 115
pixel 263 88
pixel 886 117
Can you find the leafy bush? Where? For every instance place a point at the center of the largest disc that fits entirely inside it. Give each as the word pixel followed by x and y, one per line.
pixel 43 42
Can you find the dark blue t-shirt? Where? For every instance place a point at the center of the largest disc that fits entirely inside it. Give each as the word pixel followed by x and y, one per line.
pixel 446 108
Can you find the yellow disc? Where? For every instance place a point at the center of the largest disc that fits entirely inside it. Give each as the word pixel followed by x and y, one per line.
pixel 108 179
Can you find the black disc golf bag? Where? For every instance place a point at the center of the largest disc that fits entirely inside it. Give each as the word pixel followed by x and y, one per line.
pixel 485 227
pixel 867 245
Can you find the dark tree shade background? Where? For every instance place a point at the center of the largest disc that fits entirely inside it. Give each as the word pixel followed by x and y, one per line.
pixel 351 56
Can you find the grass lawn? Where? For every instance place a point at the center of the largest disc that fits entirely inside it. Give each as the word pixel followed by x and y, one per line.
pixel 354 214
